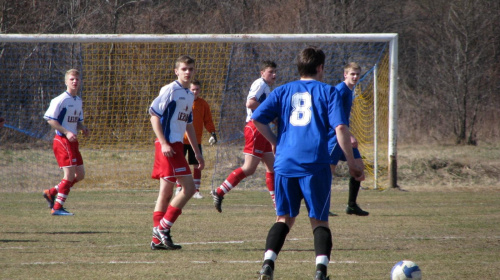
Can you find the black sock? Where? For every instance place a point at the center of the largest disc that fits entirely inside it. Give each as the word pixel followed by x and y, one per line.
pixel 275 240
pixel 353 191
pixel 322 245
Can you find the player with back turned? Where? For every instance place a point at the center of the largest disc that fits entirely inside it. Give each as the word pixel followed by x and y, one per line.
pixel 306 109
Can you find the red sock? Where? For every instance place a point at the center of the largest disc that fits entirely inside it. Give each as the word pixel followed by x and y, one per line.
pixel 64 188
pixel 231 181
pixel 170 217
pixel 53 191
pixel 270 185
pixel 197 178
pixel 157 216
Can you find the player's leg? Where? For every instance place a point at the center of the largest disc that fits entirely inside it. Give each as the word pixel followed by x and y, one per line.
pixel 316 189
pixel 63 191
pixel 288 197
pixel 354 186
pixel 268 160
pixel 188 150
pixel 196 172
pixel 67 155
pixel 164 197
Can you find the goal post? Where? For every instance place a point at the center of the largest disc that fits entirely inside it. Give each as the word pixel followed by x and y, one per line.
pixel 122 74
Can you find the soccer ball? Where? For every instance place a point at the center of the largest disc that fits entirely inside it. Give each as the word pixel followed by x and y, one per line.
pixel 406 270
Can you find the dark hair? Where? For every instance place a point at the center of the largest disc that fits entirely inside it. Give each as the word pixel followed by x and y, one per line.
pixel 186 59
pixel 267 64
pixel 308 60
pixel 195 82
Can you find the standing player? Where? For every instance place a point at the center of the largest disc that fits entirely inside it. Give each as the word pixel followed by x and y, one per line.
pixel 306 110
pixel 202 117
pixel 65 115
pixel 352 72
pixel 171 117
pixel 257 148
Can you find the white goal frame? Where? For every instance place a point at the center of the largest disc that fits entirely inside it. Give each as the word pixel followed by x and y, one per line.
pixel 391 38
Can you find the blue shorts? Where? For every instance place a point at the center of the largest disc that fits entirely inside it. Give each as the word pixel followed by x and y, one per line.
pixel 337 154
pixel 314 189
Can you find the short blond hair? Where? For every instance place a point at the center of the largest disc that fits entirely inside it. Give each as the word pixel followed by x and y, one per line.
pixel 73 72
pixel 186 59
pixel 352 66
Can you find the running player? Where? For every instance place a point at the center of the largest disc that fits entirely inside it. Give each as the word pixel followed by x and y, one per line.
pixel 306 110
pixel 202 117
pixel 65 115
pixel 351 76
pixel 257 148
pixel 171 117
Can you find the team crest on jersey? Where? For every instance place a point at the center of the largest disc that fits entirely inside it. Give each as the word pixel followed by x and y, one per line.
pixel 187 108
pixel 76 113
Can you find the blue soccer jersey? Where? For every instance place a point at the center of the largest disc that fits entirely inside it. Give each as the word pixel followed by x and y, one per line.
pixel 306 110
pixel 174 108
pixel 67 110
pixel 346 96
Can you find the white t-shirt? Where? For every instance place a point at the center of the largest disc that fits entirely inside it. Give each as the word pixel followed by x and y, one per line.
pixel 260 91
pixel 67 110
pixel 174 107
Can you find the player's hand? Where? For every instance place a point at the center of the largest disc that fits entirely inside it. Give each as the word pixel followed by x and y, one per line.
pixel 357 172
pixel 167 150
pixel 201 161
pixel 213 139
pixel 71 137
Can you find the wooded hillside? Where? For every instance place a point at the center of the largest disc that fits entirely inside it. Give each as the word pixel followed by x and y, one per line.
pixel 449 60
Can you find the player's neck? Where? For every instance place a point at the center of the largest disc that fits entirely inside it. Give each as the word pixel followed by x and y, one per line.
pixel 184 84
pixel 350 86
pixel 72 92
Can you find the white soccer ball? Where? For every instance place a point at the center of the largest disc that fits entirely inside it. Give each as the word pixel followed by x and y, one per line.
pixel 406 270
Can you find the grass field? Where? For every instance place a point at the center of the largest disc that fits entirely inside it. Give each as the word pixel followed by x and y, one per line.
pixel 449 234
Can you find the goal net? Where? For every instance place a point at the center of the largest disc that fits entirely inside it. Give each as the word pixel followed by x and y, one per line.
pixel 122 74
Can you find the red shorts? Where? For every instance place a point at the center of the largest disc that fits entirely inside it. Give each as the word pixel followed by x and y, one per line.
pixel 169 168
pixel 255 143
pixel 67 153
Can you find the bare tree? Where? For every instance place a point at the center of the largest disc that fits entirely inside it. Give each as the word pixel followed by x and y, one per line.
pixel 457 50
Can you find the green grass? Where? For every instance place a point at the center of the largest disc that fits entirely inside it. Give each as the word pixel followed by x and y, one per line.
pixel 450 235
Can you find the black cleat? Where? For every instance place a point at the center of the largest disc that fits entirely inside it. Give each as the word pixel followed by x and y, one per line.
pixel 356 210
pixel 320 276
pixel 217 200
pixel 266 273
pixel 165 238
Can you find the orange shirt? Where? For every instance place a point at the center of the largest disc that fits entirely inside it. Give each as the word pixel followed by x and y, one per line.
pixel 202 117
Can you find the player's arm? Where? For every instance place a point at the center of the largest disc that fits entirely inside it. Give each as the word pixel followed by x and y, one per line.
pixel 166 149
pixel 57 126
pixel 209 125
pixel 252 103
pixel 191 135
pixel 344 140
pixel 266 131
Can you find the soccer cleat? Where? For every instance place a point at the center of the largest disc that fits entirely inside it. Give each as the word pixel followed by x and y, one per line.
pixel 49 198
pixel 61 212
pixel 266 273
pixel 331 214
pixel 165 238
pixel 217 200
pixel 197 195
pixel 356 210
pixel 320 276
pixel 160 246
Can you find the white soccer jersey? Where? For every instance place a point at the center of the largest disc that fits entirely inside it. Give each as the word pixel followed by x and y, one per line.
pixel 260 91
pixel 67 110
pixel 174 107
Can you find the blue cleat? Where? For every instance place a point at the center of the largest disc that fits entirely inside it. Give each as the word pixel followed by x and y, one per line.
pixel 61 212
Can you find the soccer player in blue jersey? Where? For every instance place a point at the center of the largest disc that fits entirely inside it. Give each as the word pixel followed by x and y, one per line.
pixel 65 116
pixel 171 117
pixel 305 109
pixel 352 73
